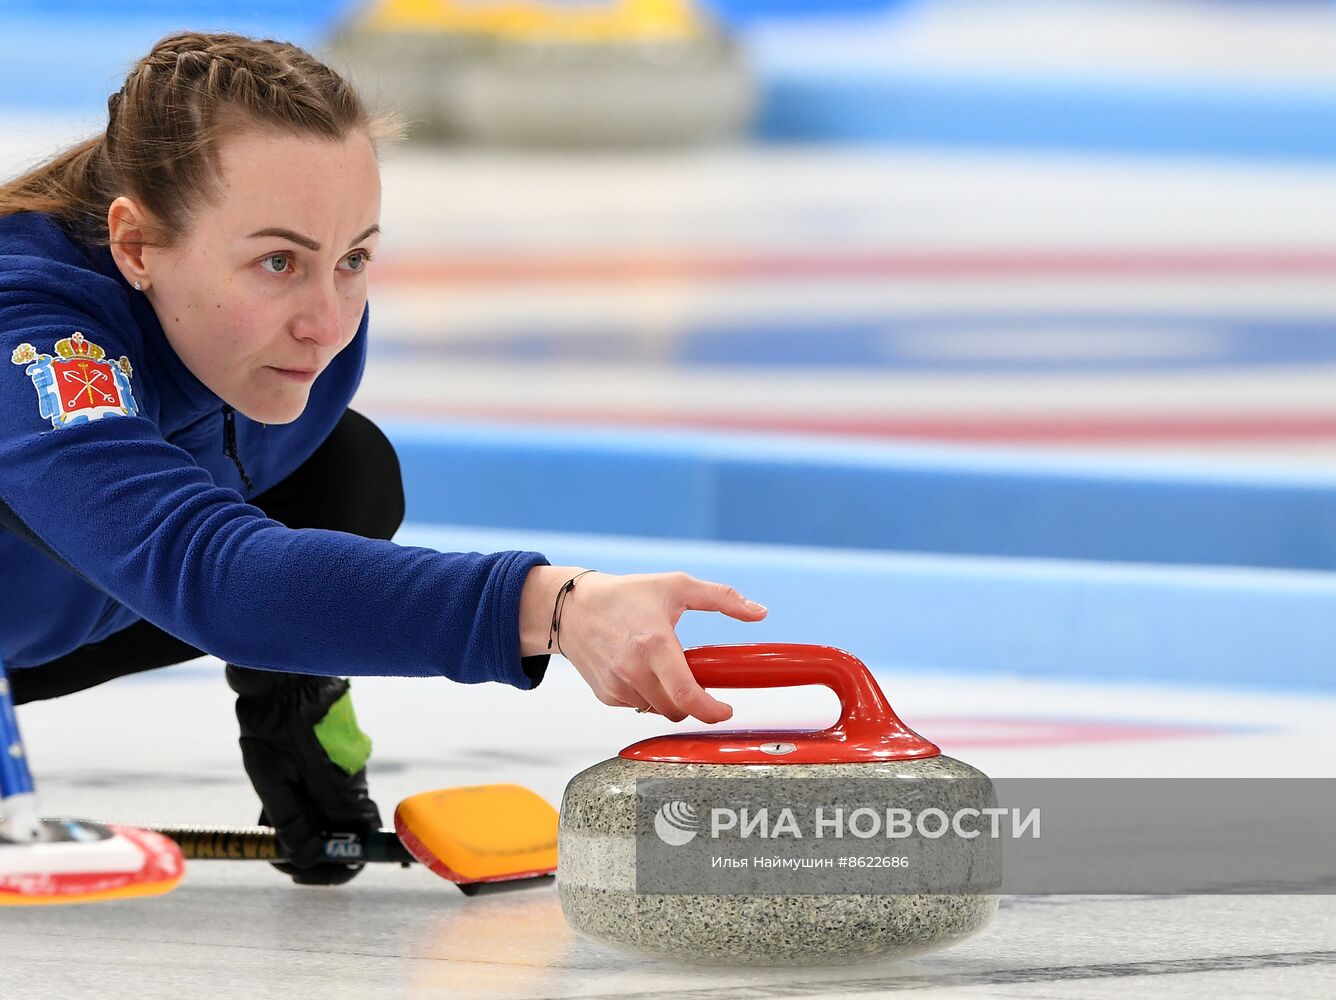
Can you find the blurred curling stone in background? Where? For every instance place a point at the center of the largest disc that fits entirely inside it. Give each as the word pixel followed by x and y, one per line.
pixel 550 73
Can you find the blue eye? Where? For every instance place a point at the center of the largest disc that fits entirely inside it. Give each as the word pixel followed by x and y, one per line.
pixel 281 261
pixel 356 261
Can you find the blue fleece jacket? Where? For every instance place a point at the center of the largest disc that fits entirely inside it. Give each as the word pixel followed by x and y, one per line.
pixel 112 458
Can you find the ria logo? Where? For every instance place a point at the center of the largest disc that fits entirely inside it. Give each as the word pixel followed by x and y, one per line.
pixel 676 823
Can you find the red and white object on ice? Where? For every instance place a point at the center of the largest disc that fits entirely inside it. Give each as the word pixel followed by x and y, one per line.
pixel 79 862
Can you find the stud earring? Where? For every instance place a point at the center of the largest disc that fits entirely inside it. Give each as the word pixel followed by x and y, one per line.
pixel 139 286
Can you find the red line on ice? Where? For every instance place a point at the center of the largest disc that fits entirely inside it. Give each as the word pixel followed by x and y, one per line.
pixel 984 732
pixel 697 266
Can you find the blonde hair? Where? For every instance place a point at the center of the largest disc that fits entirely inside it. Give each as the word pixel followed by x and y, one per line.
pixel 164 127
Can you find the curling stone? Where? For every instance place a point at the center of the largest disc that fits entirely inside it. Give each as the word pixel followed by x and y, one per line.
pixel 621 882
pixel 604 94
pixel 608 74
pixel 408 73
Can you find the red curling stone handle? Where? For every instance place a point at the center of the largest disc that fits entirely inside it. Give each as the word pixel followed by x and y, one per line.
pixel 867 729
pixel 760 665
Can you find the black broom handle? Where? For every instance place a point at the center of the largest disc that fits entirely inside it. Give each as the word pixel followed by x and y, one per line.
pixel 260 843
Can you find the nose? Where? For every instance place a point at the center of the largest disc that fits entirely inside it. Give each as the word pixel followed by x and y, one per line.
pixel 319 320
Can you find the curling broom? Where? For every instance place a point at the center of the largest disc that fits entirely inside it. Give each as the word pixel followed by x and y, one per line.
pixel 483 838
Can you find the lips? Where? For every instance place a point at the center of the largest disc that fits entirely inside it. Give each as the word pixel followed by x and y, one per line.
pixel 297 374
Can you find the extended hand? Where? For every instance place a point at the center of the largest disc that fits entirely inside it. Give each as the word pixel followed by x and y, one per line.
pixel 619 632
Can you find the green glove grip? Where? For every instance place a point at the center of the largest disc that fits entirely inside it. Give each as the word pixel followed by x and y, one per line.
pixel 342 739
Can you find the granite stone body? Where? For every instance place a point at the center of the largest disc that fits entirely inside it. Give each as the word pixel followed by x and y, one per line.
pixel 481 87
pixel 596 876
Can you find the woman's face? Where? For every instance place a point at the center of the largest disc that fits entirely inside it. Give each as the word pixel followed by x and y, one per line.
pixel 269 284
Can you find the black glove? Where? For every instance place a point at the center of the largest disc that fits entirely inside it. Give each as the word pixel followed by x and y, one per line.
pixel 306 759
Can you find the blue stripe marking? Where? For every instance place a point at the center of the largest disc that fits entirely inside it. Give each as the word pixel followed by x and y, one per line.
pixel 1102 116
pixel 749 488
pixel 1246 628
pixel 970 343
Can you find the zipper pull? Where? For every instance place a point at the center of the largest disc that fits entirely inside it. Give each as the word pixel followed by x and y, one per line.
pixel 230 444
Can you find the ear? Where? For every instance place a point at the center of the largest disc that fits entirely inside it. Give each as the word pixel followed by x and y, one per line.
pixel 127 227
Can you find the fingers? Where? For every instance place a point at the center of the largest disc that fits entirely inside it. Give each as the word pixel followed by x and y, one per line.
pixel 659 680
pixel 635 683
pixel 684 694
pixel 654 698
pixel 681 692
pixel 620 635
pixel 620 694
pixel 702 595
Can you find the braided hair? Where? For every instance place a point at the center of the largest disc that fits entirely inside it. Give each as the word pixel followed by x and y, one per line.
pixel 165 124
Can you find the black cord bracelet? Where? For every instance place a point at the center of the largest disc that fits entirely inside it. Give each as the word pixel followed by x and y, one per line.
pixel 555 632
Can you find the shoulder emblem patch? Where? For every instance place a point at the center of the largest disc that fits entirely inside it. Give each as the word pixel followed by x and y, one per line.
pixel 79 384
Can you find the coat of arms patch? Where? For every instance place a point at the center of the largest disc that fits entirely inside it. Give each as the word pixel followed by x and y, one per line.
pixel 79 384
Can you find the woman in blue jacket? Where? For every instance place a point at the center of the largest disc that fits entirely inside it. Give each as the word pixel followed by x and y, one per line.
pixel 183 322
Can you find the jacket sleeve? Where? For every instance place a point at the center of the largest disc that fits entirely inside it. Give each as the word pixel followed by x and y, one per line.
pixel 136 517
